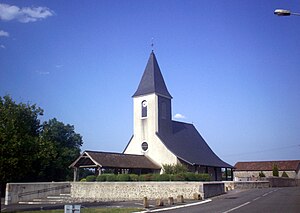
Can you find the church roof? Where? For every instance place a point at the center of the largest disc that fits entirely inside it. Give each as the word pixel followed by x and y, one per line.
pixel 152 80
pixel 188 145
pixel 114 160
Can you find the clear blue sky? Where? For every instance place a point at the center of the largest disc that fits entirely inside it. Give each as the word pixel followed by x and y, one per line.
pixel 232 67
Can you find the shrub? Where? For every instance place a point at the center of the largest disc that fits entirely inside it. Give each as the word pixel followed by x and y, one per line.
pixel 101 178
pixel 180 168
pixel 203 177
pixel 90 178
pixel 83 180
pixel 168 168
pixel 155 177
pixel 261 174
pixel 178 177
pixel 146 177
pixel 189 176
pixel 284 174
pixel 275 170
pixel 111 177
pixel 164 177
pixel 134 177
pixel 123 177
pixel 174 168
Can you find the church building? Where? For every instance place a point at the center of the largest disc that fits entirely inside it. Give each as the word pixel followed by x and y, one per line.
pixel 157 139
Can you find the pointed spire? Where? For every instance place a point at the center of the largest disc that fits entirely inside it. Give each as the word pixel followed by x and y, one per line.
pixel 152 80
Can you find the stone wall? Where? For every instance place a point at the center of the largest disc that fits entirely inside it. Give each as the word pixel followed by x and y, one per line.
pixel 282 182
pixel 254 175
pixel 231 185
pixel 122 191
pixel 16 192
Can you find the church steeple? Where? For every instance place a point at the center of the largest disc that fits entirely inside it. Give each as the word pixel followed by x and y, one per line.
pixel 152 80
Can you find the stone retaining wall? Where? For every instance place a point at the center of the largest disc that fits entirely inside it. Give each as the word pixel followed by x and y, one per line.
pixel 122 191
pixel 16 192
pixel 230 185
pixel 282 181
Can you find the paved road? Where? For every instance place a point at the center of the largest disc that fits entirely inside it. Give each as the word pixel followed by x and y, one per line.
pixel 285 200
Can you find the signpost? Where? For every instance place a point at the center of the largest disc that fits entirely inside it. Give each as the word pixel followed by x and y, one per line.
pixel 72 208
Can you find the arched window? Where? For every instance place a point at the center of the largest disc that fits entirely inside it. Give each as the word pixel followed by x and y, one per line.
pixel 144 109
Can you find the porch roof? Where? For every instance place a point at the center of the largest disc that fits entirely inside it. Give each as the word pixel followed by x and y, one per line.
pixel 113 160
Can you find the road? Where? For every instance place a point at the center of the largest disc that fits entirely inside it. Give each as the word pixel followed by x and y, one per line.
pixel 273 200
pixel 285 200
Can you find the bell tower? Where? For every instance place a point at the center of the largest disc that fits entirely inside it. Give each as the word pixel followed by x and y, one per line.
pixel 152 102
pixel 152 112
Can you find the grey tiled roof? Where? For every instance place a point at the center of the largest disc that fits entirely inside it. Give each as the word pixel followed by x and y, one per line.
pixel 187 144
pixel 152 80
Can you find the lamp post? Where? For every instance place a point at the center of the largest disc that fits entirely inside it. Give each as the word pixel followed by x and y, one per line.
pixel 283 12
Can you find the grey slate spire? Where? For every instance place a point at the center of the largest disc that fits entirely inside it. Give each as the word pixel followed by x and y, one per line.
pixel 152 80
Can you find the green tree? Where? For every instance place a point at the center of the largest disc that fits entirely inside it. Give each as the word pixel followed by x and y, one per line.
pixel 60 145
pixel 19 131
pixel 275 170
pixel 30 151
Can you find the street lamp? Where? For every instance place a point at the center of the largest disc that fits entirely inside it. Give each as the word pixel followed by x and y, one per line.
pixel 282 12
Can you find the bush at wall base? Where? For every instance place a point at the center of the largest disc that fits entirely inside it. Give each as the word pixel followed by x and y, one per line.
pixel 188 176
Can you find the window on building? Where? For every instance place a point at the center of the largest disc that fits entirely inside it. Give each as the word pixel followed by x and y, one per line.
pixel 144 146
pixel 144 109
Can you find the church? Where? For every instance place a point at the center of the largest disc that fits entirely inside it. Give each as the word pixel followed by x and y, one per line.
pixel 156 139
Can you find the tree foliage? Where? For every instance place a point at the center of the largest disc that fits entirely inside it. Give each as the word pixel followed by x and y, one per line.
pixel 261 174
pixel 275 170
pixel 174 168
pixel 65 147
pixel 19 131
pixel 31 151
pixel 284 174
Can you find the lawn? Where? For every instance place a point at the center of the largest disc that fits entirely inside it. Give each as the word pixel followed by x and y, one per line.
pixel 93 210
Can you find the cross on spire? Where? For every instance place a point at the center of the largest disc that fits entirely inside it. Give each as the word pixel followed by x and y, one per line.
pixel 152 43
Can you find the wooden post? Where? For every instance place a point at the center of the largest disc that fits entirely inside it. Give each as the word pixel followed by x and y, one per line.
pixel 159 202
pixel 75 174
pixel 99 170
pixel 145 202
pixel 171 201
pixel 180 199
pixel 196 196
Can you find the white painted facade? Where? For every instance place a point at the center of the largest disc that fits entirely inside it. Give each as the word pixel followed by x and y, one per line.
pixel 145 129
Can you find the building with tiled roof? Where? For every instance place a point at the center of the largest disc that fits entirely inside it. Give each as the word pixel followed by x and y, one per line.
pixel 250 170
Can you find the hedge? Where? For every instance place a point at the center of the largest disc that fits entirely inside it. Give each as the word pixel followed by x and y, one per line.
pixel 188 176
pixel 90 178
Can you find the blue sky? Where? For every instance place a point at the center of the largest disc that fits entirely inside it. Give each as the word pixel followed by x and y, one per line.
pixel 232 68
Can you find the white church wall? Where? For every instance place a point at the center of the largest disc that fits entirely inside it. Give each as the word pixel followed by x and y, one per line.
pixel 145 131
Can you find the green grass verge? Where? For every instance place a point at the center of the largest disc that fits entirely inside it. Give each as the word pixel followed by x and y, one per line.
pixel 92 210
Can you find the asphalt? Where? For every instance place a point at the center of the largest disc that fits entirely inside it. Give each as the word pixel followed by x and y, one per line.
pixel 251 200
pixel 122 204
pixel 275 200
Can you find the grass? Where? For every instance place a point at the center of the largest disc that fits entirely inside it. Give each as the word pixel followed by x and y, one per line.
pixel 93 210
